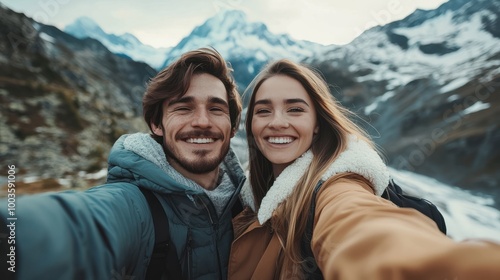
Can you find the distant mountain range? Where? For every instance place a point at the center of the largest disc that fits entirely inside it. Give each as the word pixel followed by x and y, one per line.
pixel 247 45
pixel 426 87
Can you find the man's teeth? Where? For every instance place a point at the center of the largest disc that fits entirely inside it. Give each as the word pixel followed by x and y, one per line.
pixel 200 140
pixel 280 140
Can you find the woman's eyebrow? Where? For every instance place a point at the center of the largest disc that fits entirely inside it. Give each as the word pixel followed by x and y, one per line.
pixel 296 100
pixel 263 101
pixel 287 101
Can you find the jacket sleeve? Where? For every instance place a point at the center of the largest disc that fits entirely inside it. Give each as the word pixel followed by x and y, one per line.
pixel 102 233
pixel 358 235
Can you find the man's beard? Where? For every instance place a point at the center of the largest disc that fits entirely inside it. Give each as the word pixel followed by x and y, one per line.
pixel 202 164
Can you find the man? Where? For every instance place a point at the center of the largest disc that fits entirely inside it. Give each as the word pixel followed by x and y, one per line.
pixel 107 232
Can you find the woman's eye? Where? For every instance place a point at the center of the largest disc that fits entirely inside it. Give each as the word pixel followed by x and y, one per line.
pixel 262 111
pixel 296 110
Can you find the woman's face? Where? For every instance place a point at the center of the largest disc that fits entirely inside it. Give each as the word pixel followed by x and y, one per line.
pixel 284 121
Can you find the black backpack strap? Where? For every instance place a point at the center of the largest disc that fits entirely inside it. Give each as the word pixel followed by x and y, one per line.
pixel 164 256
pixel 394 193
pixel 237 208
pixel 310 267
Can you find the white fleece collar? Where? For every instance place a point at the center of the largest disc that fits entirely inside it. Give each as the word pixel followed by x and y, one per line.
pixel 358 158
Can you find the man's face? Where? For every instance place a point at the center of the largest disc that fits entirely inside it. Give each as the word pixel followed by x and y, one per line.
pixel 196 127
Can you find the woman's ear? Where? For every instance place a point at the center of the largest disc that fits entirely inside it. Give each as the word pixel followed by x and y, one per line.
pixel 315 134
pixel 157 129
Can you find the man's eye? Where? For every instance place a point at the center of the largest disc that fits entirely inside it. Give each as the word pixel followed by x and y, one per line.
pixel 182 109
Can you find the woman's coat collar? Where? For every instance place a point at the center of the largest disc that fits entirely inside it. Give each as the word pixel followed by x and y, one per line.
pixel 358 158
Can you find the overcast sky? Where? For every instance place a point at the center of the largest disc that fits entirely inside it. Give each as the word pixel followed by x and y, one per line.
pixel 164 23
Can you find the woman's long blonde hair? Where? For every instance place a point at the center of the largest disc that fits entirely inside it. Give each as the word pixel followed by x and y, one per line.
pixel 289 219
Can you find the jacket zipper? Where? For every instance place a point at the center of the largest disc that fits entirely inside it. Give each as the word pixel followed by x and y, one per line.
pixel 216 229
pixel 188 248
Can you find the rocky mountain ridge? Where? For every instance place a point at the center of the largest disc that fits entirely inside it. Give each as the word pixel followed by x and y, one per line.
pixel 63 100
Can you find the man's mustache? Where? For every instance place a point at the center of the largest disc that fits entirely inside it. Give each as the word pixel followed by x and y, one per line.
pixel 199 134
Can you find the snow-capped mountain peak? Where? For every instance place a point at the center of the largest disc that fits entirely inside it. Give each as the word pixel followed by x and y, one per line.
pixel 125 44
pixel 84 27
pixel 131 38
pixel 246 45
pixel 231 28
pixel 229 21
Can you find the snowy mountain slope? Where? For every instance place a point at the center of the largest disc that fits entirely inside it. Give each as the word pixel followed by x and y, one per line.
pixel 126 44
pixel 434 47
pixel 427 87
pixel 467 215
pixel 403 51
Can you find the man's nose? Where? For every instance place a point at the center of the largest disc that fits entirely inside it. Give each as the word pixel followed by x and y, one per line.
pixel 201 119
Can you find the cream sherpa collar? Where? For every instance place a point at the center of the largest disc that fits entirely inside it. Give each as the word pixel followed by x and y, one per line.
pixel 358 158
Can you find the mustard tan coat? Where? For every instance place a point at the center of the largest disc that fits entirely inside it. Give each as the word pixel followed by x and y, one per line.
pixel 358 235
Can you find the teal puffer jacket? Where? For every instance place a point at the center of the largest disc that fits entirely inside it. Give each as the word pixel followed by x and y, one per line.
pixel 107 232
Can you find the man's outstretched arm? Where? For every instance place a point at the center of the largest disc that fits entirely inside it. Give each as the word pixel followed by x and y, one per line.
pixel 103 233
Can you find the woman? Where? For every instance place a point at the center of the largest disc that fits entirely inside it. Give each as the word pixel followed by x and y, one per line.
pixel 303 148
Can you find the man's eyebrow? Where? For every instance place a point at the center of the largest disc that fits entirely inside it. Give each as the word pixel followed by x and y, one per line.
pixel 218 100
pixel 190 99
pixel 287 101
pixel 184 99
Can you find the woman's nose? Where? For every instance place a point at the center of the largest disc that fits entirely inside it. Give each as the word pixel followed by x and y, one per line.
pixel 278 121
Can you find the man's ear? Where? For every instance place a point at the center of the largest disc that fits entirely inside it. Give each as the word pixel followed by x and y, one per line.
pixel 233 132
pixel 157 129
